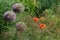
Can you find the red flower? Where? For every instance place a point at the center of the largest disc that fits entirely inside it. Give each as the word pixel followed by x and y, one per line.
pixel 42 26
pixel 35 19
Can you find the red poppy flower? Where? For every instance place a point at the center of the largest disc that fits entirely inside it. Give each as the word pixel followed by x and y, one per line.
pixel 42 26
pixel 35 19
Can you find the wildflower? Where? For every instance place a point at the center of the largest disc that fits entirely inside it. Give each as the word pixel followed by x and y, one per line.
pixel 18 7
pixel 35 19
pixel 9 15
pixel 20 26
pixel 42 26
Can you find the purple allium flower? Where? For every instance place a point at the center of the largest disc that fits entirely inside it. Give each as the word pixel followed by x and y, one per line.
pixel 18 7
pixel 9 15
pixel 20 26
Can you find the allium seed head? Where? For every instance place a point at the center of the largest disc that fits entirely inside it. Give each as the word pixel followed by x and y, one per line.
pixel 20 26
pixel 9 15
pixel 18 7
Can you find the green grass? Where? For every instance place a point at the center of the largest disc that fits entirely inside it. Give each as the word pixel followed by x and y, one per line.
pixel 51 19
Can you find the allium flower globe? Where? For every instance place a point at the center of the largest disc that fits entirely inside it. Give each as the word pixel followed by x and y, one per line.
pixel 9 16
pixel 18 7
pixel 20 26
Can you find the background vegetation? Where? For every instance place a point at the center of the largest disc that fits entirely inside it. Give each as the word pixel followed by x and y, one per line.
pixel 48 9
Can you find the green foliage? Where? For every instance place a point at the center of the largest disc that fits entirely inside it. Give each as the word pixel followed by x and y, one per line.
pixel 43 5
pixel 33 8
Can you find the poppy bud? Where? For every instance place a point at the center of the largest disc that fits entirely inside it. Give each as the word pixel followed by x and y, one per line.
pixel 18 7
pixel 42 18
pixel 9 15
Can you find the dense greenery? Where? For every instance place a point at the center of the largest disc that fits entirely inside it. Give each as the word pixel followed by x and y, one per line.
pixel 48 9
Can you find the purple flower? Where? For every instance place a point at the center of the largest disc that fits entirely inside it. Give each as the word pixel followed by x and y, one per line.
pixel 18 7
pixel 20 26
pixel 9 15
